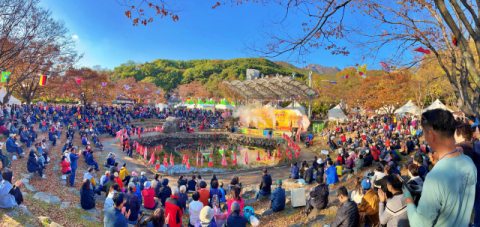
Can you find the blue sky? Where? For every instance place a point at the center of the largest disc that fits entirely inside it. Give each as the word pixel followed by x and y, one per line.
pixel 107 38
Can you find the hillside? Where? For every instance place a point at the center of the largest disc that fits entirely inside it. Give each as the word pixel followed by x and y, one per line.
pixel 321 69
pixel 168 74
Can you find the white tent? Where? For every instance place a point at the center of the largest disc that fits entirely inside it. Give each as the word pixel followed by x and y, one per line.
pixel 437 105
pixel 335 113
pixel 410 107
pixel 12 100
pixel 298 107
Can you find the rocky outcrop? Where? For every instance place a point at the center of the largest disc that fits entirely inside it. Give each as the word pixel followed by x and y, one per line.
pixel 207 137
pixel 171 125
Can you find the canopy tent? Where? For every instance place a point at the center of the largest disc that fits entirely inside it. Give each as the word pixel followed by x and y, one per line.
pixel 336 113
pixel 12 100
pixel 437 105
pixel 297 107
pixel 410 107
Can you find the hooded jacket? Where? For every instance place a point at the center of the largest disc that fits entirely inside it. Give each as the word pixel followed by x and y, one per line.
pixel 165 191
pixel 148 198
pixel 32 163
pixel 172 208
pixel 7 200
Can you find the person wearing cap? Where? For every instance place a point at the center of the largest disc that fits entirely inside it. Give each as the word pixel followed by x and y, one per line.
pixel 132 204
pixel 235 219
pixel 367 159
pixel 277 198
pixel 142 180
pixel 321 168
pixel 124 175
pixel 12 147
pixel 206 218
pixel 369 204
pixel 318 197
pixel 173 210
pixel 116 216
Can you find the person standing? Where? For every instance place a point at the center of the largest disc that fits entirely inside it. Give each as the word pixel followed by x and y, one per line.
pixel 73 165
pixel 450 186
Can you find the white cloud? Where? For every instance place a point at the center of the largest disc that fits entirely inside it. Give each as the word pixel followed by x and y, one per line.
pixel 75 37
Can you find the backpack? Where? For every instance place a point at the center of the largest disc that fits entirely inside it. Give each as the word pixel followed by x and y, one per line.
pixel 214 198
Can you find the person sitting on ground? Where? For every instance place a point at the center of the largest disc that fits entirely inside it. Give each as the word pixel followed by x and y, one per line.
pixel 415 182
pixel 347 215
pixel 422 169
pixel 204 193
pixel 173 210
pixel 191 184
pixel 277 198
pixel 357 193
pixel 294 170
pixel 395 212
pixel 142 180
pixel 156 182
pixel 235 183
pixel 90 160
pixel 10 195
pixel 65 166
pixel 104 179
pixel 33 165
pixel 235 219
pixel 90 177
pixel 194 209
pixel 87 197
pixel 378 174
pixel 367 159
pixel 331 173
pixel 158 219
pixel 369 204
pixel 206 218
pixel 109 183
pixel 132 204
pixel 235 196
pixel 265 185
pixel 124 175
pixel 165 191
pixel 308 175
pixel 349 164
pixel 111 160
pixel 52 137
pixel 12 147
pixel 199 179
pixel 301 169
pixel 148 194
pixel 183 197
pixel 116 215
pixel 109 200
pixel 318 197
pixel 220 187
pixel 119 182
pixel 181 181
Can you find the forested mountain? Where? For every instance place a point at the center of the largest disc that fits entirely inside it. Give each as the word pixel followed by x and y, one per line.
pixel 168 74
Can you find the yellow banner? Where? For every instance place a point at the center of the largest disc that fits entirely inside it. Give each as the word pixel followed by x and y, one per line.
pixel 284 119
pixel 252 131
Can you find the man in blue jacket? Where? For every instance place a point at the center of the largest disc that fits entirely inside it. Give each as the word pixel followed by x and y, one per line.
pixel 331 173
pixel 277 198
pixel 73 165
pixel 90 161
pixel 12 147
pixel 294 170
pixel 114 216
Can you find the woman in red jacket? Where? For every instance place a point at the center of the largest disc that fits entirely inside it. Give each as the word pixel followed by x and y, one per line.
pixel 65 166
pixel 148 195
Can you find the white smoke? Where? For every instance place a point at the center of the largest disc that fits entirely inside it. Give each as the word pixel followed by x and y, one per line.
pixel 247 114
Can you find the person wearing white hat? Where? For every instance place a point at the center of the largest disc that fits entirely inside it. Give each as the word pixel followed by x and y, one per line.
pixel 206 217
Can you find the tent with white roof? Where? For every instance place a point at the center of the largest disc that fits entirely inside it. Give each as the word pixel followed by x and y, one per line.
pixel 12 100
pixel 335 113
pixel 410 107
pixel 298 107
pixel 437 105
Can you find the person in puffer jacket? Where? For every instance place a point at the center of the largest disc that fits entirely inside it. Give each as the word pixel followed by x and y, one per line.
pixel 318 197
pixel 172 208
pixel 347 215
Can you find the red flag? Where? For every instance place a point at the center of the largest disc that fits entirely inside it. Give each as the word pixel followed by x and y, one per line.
pixel 297 152
pixel 258 155
pixel 210 161
pixel 234 161
pixel 157 166
pixel 246 157
pixel 201 160
pixel 420 49
pixel 197 159
pixel 152 159
pixel 184 159
pixel 268 156
pixel 279 153
pixel 188 164
pixel 454 40
pixel 289 154
pixel 224 160
pixel 78 80
pixel 171 160
pixel 165 162
pixel 145 155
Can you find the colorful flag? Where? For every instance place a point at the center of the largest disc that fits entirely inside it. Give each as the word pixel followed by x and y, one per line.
pixel 126 87
pixel 184 159
pixel 43 80
pixel 152 158
pixel 147 89
pixel 362 70
pixel 157 166
pixel 201 160
pixel 345 77
pixel 79 80
pixel 384 65
pixel 421 50
pixel 224 160
pixel 454 40
pixel 258 155
pixel 188 164
pixel 158 91
pixel 234 161
pixel 246 157
pixel 210 161
pixel 5 76
pixel 289 154
pixel 333 82
pixel 197 159
pixel 104 84
pixel 145 155
pixel 279 153
pixel 171 160
pixel 165 162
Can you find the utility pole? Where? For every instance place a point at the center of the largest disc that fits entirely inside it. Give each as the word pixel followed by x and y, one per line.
pixel 310 97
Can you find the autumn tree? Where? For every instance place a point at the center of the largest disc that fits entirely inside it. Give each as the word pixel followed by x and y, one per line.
pixel 140 91
pixel 89 89
pixel 387 92
pixel 194 89
pixel 230 94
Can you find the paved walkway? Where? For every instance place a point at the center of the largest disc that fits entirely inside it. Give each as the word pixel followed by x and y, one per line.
pixel 246 178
